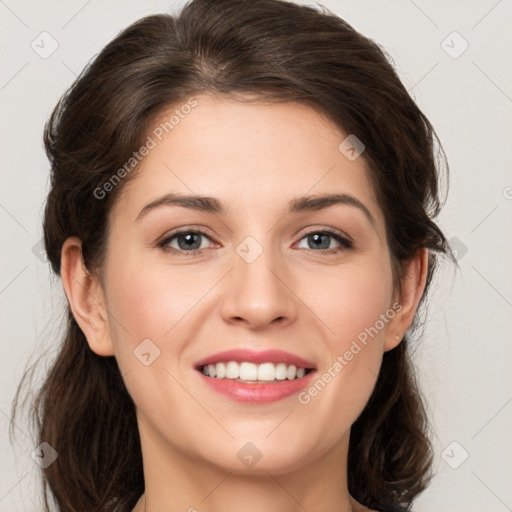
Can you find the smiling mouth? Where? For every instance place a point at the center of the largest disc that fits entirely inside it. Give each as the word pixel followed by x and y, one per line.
pixel 254 373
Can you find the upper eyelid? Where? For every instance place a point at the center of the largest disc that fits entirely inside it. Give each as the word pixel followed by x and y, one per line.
pixel 181 231
pixel 331 231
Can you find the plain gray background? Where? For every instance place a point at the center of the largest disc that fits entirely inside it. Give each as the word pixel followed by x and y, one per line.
pixel 465 355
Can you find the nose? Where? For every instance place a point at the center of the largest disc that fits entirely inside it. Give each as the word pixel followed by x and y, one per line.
pixel 259 293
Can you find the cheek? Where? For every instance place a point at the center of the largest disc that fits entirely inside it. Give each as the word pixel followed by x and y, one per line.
pixel 352 298
pixel 149 300
pixel 149 308
pixel 153 301
pixel 357 309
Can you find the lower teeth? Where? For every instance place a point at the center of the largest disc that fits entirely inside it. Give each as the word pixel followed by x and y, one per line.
pixel 260 381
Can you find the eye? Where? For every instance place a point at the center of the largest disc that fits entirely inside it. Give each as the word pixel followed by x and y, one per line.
pixel 322 240
pixel 188 241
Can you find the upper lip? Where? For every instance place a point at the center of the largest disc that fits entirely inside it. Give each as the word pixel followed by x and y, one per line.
pixel 257 357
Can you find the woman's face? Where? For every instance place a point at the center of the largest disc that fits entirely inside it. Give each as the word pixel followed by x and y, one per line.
pixel 257 278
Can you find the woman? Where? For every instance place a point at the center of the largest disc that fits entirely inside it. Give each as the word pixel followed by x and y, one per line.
pixel 241 213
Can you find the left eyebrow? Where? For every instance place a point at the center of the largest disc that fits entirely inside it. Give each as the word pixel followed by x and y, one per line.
pixel 298 205
pixel 319 202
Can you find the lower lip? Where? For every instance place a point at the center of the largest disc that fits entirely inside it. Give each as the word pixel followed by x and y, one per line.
pixel 257 393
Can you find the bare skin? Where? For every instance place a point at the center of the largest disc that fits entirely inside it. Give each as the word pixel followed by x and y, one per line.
pixel 356 506
pixel 255 158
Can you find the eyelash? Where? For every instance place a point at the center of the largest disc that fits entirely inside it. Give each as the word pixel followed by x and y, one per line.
pixel 344 242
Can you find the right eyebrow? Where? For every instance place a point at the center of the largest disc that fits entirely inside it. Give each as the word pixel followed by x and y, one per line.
pixel 201 203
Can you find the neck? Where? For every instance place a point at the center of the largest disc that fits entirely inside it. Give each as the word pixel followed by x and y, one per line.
pixel 355 506
pixel 175 477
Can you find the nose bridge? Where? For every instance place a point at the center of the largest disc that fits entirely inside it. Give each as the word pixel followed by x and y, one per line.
pixel 257 292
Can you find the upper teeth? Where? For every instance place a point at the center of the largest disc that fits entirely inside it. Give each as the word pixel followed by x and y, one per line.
pixel 251 371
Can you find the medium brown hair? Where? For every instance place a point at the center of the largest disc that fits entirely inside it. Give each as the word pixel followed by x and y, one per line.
pixel 267 50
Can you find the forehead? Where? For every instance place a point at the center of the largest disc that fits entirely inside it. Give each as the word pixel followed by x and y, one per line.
pixel 248 154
